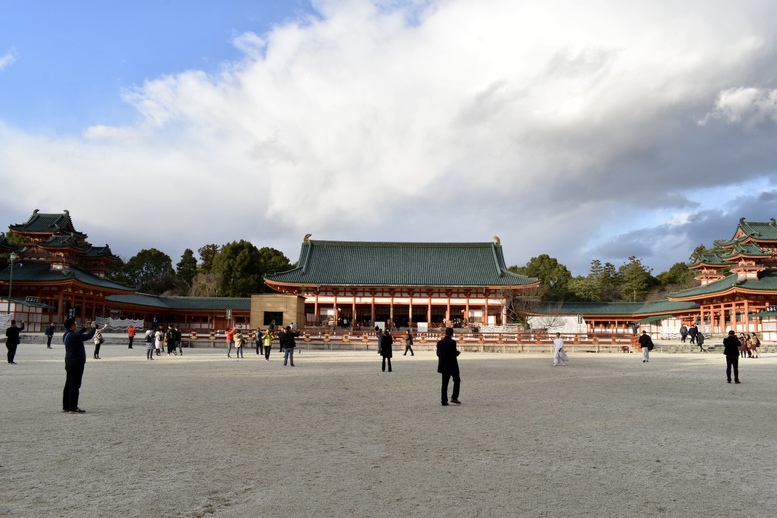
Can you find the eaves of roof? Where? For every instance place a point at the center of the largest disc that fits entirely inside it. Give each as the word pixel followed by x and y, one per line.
pixel 766 282
pixel 337 263
pixel 184 303
pixel 759 231
pixel 40 272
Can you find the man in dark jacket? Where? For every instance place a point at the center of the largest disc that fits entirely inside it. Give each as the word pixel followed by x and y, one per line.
pixel 12 340
pixel 288 344
pixel 75 360
pixel 731 345
pixel 646 343
pixel 448 366
pixel 49 333
pixel 386 350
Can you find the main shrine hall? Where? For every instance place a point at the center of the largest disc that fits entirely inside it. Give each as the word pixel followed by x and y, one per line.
pixel 402 284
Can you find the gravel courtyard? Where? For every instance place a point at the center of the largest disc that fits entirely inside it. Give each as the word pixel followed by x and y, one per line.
pixel 203 435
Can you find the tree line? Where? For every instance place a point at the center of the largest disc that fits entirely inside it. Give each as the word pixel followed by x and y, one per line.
pixel 630 282
pixel 232 270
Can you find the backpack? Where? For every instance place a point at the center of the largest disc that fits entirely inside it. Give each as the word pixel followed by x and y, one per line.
pixel 150 338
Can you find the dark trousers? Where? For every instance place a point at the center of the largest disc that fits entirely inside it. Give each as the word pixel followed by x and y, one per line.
pixel 409 348
pixel 259 347
pixel 446 376
pixel 384 363
pixel 131 338
pixel 97 349
pixel 732 361
pixel 11 351
pixel 267 351
pixel 48 341
pixel 72 386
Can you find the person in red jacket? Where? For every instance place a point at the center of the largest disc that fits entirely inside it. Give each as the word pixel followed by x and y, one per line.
pixel 130 334
pixel 230 335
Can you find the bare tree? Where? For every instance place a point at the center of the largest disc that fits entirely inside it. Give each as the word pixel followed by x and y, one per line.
pixel 204 285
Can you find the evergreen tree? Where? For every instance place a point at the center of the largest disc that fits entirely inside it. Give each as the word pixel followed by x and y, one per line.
pixel 186 269
pixel 207 254
pixel 150 271
pixel 636 281
pixel 553 276
pixel 239 270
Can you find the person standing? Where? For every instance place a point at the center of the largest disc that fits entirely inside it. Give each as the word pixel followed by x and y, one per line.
pixel 755 344
pixel 683 333
pixel 159 340
pixel 178 339
pixel 98 341
pixel 12 340
pixel 385 349
pixel 731 345
pixel 448 366
pixel 229 335
pixel 75 361
pixel 130 334
pixel 150 338
pixel 409 343
pixel 239 341
pixel 559 354
pixel 646 343
pixel 170 340
pixel 267 338
pixel 288 344
pixel 259 341
pixel 49 332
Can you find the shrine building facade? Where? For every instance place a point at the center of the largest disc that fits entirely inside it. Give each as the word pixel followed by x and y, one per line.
pixel 55 273
pixel 352 283
pixel 738 288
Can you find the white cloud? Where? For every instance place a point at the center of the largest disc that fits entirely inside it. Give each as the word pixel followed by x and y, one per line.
pixel 445 120
pixel 8 59
pixel 747 105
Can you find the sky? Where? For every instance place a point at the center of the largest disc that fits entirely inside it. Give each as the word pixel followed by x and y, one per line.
pixel 579 129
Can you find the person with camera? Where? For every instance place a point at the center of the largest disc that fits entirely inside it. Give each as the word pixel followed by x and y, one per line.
pixel 75 361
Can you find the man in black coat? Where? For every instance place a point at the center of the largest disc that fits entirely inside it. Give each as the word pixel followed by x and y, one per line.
pixel 731 345
pixel 12 340
pixel 448 366
pixel 646 344
pixel 75 360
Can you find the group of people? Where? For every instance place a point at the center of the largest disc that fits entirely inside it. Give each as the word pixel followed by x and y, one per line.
pixel 161 338
pixel 696 337
pixel 749 345
pixel 286 342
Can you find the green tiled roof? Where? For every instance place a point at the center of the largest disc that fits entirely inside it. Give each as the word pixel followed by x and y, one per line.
pixel 41 272
pixel 48 223
pixel 352 263
pixel 101 251
pixel 184 303
pixel 709 258
pixel 63 241
pixel 760 230
pixel 748 249
pixel 661 307
pixel 648 320
pixel 767 281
